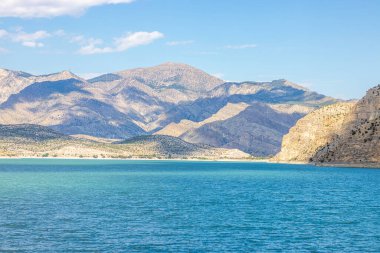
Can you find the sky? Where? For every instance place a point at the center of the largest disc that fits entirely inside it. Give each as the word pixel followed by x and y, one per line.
pixel 330 46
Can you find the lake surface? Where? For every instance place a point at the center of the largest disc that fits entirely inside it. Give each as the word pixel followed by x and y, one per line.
pixel 168 206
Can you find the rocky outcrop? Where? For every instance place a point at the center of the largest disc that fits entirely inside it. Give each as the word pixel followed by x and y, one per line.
pixel 359 143
pixel 343 133
pixel 313 132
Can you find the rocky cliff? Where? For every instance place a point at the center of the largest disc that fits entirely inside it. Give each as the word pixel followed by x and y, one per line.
pixel 343 133
pixel 359 143
pixel 313 132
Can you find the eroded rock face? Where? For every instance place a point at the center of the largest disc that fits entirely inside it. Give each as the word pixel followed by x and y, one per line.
pixel 343 133
pixel 360 141
pixel 313 131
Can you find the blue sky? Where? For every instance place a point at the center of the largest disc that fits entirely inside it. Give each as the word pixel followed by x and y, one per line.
pixel 329 46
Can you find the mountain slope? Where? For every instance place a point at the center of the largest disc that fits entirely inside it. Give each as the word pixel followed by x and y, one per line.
pixel 175 147
pixel 277 91
pixel 38 141
pixel 67 107
pixel 257 130
pixel 281 103
pixel 12 82
pixel 178 129
pixel 26 132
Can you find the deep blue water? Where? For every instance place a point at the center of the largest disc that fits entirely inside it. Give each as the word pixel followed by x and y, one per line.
pixel 149 206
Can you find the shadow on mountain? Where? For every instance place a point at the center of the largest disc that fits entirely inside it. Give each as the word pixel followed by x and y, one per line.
pixel 257 130
pixel 96 118
pixel 43 90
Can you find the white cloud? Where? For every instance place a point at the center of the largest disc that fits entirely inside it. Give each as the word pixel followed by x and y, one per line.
pixel 91 47
pixel 244 46
pixel 130 40
pixel 179 43
pixel 50 8
pixel 30 39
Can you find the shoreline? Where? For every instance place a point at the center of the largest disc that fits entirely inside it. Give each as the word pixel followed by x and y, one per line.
pixel 134 159
pixel 342 165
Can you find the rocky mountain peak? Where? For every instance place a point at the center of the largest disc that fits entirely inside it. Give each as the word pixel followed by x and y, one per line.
pixel 170 74
pixel 63 75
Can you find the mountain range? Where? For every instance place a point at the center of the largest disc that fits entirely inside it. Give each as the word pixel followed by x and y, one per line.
pixel 171 99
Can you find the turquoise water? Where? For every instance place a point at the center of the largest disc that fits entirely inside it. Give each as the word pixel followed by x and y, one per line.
pixel 149 206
